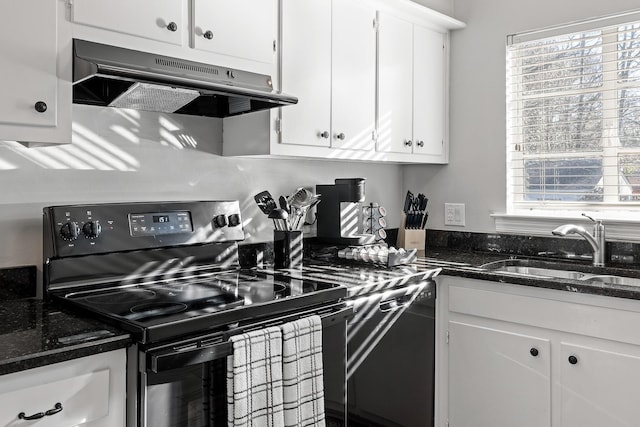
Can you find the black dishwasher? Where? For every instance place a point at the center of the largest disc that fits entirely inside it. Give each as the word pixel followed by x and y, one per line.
pixel 391 357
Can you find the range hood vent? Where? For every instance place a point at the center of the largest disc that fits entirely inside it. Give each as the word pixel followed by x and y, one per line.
pixel 112 76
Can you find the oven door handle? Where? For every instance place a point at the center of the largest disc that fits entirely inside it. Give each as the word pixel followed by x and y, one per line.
pixel 177 358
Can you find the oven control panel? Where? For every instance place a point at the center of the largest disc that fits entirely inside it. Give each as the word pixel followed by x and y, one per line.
pixel 102 228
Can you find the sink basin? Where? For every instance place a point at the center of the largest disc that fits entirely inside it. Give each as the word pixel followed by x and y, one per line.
pixel 613 280
pixel 557 270
pixel 542 272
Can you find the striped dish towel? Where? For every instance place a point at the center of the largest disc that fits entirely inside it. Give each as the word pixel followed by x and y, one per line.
pixel 302 372
pixel 254 379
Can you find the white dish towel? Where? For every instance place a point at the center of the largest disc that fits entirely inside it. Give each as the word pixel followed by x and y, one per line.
pixel 302 373
pixel 254 379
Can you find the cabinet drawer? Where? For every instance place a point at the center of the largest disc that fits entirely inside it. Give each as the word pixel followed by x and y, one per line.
pixel 486 299
pixel 84 398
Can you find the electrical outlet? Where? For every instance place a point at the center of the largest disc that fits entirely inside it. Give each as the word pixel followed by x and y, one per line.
pixel 454 214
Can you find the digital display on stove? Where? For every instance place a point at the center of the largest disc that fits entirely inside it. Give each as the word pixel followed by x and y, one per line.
pixel 159 223
pixel 161 218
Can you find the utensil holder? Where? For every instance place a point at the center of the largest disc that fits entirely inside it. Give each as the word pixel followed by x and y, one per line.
pixel 287 248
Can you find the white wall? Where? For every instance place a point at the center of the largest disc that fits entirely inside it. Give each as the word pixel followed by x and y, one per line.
pixel 123 155
pixel 442 6
pixel 476 172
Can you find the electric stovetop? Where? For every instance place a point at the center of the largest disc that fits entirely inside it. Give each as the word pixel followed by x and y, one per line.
pixel 155 309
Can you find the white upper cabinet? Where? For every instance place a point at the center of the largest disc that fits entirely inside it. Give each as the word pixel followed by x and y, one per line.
pixel 395 84
pixel 238 34
pixel 160 20
pixel 429 93
pixel 306 72
pixel 353 75
pixel 35 106
pixel 328 62
pixel 242 28
pixel 371 78
pixel 411 89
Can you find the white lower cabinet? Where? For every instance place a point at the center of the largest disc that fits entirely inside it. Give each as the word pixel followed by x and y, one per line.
pixel 488 367
pixel 88 392
pixel 510 355
pixel 599 386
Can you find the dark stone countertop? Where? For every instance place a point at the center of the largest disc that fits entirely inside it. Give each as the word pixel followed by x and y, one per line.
pixel 34 333
pixel 455 262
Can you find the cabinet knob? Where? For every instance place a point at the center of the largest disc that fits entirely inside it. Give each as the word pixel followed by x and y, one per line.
pixel 420 144
pixel 40 106
pixel 408 143
pixel 534 351
pixel 324 134
pixel 208 35
pixel 341 136
pixel 573 360
pixel 172 26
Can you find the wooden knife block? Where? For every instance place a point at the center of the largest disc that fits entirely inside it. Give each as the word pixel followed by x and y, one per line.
pixel 411 238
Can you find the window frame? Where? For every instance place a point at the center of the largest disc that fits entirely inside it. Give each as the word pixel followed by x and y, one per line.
pixel 535 217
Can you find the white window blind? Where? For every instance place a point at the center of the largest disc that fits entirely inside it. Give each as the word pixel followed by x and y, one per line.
pixel 573 118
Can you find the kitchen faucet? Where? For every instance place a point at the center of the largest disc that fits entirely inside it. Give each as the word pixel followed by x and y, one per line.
pixel 597 240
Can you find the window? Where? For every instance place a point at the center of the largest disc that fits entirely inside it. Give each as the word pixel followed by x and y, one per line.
pixel 573 124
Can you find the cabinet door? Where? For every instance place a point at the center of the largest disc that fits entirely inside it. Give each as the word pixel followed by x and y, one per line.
pixel 428 92
pixel 32 90
pixel 306 72
pixel 353 76
pixel 495 380
pixel 395 84
pixel 242 28
pixel 151 19
pixel 91 392
pixel 601 387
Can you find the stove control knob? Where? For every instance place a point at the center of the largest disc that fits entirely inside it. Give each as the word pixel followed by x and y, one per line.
pixel 234 220
pixel 91 229
pixel 219 221
pixel 69 231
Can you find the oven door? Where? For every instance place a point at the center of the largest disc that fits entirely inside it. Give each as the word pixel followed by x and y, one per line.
pixel 184 384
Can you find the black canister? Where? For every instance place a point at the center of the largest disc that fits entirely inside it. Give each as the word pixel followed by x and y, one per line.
pixel 287 249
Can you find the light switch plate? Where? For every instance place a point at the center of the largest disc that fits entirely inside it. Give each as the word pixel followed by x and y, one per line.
pixel 454 214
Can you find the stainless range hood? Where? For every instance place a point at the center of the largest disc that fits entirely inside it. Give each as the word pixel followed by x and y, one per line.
pixel 112 76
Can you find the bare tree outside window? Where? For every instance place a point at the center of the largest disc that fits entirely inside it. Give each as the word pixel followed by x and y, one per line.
pixel 574 118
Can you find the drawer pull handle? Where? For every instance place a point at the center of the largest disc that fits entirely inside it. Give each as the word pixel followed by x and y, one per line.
pixel 534 351
pixel 173 27
pixel 56 408
pixel 573 360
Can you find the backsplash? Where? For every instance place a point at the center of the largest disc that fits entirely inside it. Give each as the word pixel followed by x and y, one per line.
pixel 549 247
pixel 17 282
pixel 617 253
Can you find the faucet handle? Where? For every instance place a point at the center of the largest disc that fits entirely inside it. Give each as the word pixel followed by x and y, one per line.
pixel 596 221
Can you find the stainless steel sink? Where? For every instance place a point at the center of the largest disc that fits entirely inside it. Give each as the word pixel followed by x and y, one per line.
pixel 556 270
pixel 541 272
pixel 613 280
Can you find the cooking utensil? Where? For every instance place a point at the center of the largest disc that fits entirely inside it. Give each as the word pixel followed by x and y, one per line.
pixel 301 197
pixel 265 202
pixel 284 204
pixel 280 219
